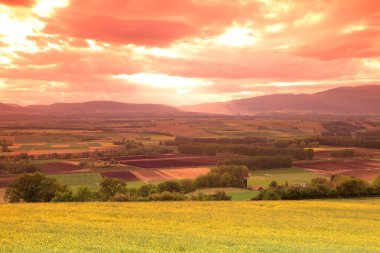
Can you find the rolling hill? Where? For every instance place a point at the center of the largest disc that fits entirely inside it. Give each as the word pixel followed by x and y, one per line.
pixel 345 100
pixel 93 108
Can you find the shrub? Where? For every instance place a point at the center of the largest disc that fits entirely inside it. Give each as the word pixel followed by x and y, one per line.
pixel 268 194
pixel 351 186
pixel 169 186
pixel 145 190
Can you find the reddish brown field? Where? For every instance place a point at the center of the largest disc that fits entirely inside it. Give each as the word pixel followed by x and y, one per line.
pixel 150 175
pixel 123 175
pixel 359 168
pixel 56 168
pixel 173 162
pixel 188 173
pixel 4 181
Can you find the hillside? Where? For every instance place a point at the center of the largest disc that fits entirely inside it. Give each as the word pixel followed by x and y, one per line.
pixel 92 108
pixel 345 100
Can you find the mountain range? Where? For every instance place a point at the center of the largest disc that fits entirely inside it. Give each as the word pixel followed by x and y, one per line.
pixel 346 100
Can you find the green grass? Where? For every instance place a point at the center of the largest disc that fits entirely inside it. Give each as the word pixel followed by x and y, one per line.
pixel 236 194
pixel 243 196
pixel 75 180
pixel 135 184
pixel 282 226
pixel 292 175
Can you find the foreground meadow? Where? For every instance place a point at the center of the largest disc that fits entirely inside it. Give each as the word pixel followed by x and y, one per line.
pixel 302 226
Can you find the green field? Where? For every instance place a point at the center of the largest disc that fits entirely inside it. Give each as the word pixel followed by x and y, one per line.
pixel 75 180
pixel 283 226
pixel 292 175
pixel 236 194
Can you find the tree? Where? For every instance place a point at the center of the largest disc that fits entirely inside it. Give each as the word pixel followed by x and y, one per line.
pixel 273 184
pixel 351 186
pixel 109 187
pixel 376 183
pixel 32 188
pixel 187 185
pixel 226 180
pixel 145 190
pixel 169 186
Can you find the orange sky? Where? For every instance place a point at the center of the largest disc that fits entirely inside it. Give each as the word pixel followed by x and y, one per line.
pixel 183 51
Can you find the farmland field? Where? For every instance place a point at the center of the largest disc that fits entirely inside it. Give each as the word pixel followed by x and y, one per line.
pixel 76 180
pixel 59 167
pixel 292 175
pixel 366 169
pixel 292 226
pixel 185 173
pixel 172 162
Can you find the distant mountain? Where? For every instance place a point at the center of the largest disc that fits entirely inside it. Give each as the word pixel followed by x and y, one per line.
pixel 93 108
pixel 345 100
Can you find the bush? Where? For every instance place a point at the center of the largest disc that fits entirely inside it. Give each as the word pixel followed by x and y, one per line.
pixel 268 194
pixel 220 195
pixel 145 190
pixel 351 186
pixel 169 186
pixel 32 188
pixel 168 196
pixel 187 185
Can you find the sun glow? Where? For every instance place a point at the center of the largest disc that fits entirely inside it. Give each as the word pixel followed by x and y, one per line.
pixel 45 8
pixel 237 37
pixel 164 81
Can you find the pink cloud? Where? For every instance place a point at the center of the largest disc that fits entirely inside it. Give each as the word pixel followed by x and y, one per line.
pixel 25 3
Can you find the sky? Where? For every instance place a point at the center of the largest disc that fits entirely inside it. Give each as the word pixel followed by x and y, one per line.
pixel 181 52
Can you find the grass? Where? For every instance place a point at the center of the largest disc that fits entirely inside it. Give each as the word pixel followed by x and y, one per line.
pixel 292 175
pixel 135 184
pixel 284 226
pixel 76 180
pixel 236 194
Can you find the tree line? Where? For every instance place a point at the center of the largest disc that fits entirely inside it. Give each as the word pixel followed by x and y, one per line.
pixel 336 187
pixel 36 187
pixel 349 142
pixel 248 150
pixel 261 162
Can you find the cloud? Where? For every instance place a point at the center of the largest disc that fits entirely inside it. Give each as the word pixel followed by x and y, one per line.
pixel 23 3
pixel 118 31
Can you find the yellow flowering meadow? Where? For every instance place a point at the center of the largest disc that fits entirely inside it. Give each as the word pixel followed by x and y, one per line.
pixel 283 226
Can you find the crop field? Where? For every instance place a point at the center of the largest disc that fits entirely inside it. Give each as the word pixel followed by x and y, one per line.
pixel 365 169
pixel 292 226
pixel 292 175
pixel 56 146
pixel 89 179
pixel 150 175
pixel 172 162
pixel 123 175
pixel 60 167
pixel 5 180
pixel 185 173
